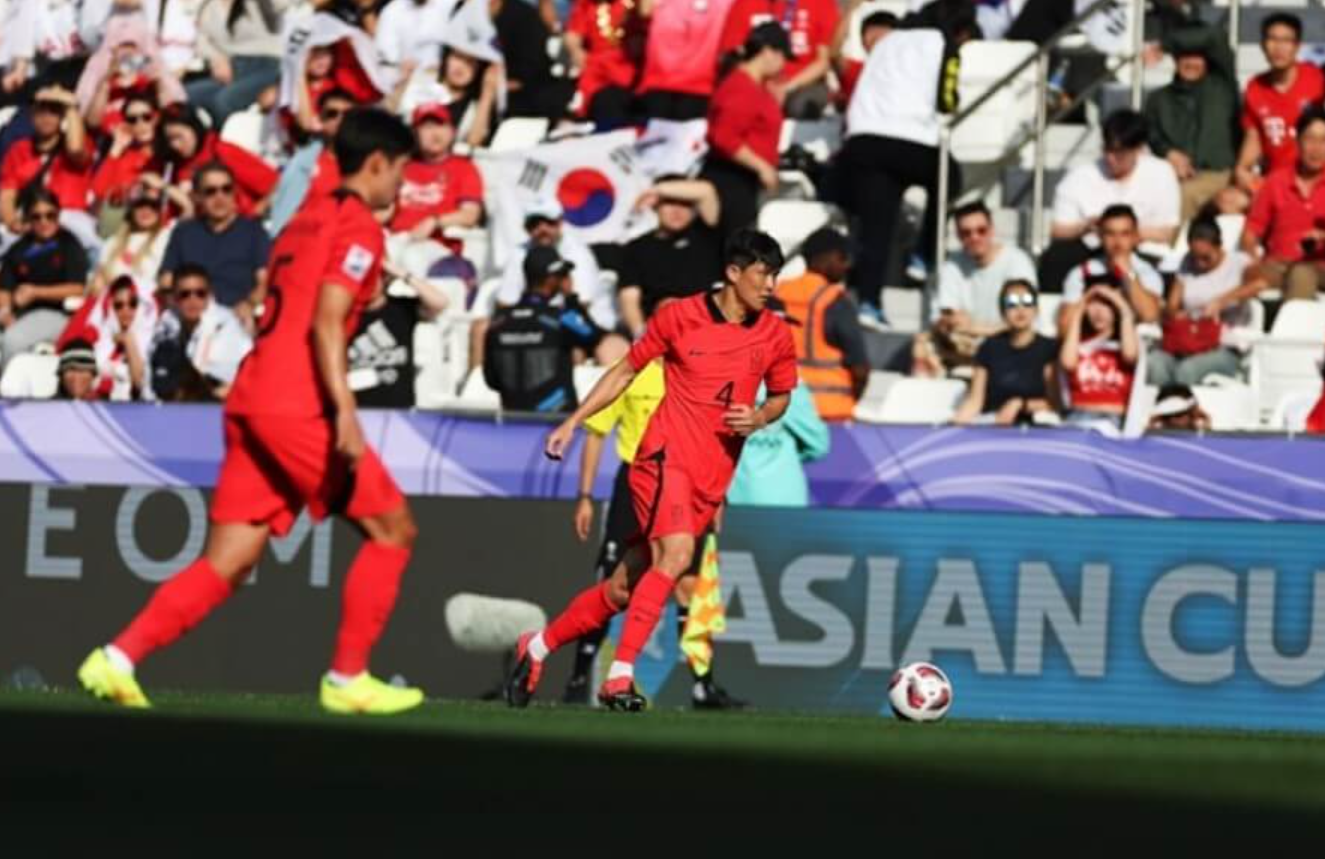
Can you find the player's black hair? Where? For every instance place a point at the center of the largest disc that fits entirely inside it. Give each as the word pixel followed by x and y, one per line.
pixel 1119 210
pixel 1310 114
pixel 747 246
pixel 1205 230
pixel 882 18
pixel 1282 19
pixel 191 269
pixel 1124 129
pixel 366 130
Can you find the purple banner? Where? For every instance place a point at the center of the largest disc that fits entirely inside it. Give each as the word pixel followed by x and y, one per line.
pixel 1063 472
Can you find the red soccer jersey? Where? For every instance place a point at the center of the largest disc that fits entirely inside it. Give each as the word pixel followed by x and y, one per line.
pixel 326 175
pixel 68 180
pixel 335 240
pixel 809 25
pixel 255 179
pixel 681 54
pixel 435 189
pixel 743 113
pixel 117 173
pixel 1274 114
pixel 613 35
pixel 710 365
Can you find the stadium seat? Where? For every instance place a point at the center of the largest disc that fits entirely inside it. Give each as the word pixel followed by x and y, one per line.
pixel 31 376
pixel 985 135
pixel 1300 319
pixel 875 393
pixel 914 401
pixel 518 132
pixel 476 395
pixel 244 129
pixel 1231 407
pixel 586 376
pixel 1047 320
pixel 1291 413
pixel 904 308
pixel 790 221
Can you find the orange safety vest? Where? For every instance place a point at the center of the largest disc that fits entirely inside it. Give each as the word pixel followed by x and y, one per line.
pixel 807 298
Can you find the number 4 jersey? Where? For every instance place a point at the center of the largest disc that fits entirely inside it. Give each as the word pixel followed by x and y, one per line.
pixel 333 239
pixel 711 365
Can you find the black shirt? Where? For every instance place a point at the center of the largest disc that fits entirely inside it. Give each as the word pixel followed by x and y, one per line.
pixel 842 330
pixel 1015 372
pixel 231 257
pixel 677 266
pixel 527 353
pixel 523 37
pixel 383 346
pixel 59 260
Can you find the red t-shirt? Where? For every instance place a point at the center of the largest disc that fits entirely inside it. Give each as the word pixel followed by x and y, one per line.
pixel 1101 380
pixel 117 173
pixel 326 175
pixel 1274 114
pixel 613 56
pixel 682 50
pixel 254 178
pixel 1280 216
pixel 332 240
pixel 809 24
pixel 743 112
pixel 435 189
pixel 114 113
pixel 67 179
pixel 710 365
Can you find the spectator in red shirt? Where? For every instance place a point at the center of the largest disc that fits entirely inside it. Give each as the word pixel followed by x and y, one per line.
pixel 183 144
pixel 681 57
pixel 439 189
pixel 745 124
pixel 312 171
pixel 128 63
pixel 810 26
pixel 59 161
pixel 1273 102
pixel 875 26
pixel 1287 216
pixel 605 40
pixel 130 151
pixel 1099 356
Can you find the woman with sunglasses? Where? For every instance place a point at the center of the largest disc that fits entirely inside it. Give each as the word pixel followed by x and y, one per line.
pixel 38 274
pixel 124 337
pixel 1014 377
pixel 1099 357
pixel 184 143
pixel 127 63
pixel 130 151
pixel 138 246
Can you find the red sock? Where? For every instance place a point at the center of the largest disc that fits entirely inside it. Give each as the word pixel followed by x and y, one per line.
pixel 589 611
pixel 646 606
pixel 175 608
pixel 366 603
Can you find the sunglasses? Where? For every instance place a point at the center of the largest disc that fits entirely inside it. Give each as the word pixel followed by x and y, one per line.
pixel 153 203
pixel 1019 299
pixel 213 190
pixel 49 106
pixel 139 118
pixel 331 113
pixel 44 216
pixel 127 304
pixel 185 294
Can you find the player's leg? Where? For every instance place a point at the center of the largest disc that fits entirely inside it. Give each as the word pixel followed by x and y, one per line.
pixel 246 502
pixel 382 515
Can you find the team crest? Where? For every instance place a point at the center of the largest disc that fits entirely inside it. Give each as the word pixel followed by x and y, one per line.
pixel 357 262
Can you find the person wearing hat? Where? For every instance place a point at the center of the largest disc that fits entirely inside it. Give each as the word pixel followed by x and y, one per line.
pixel 440 189
pixel 58 157
pixel 1193 122
pixel 810 27
pixel 531 349
pixel 745 127
pixel 1176 408
pixel 681 257
pixel 825 326
pixel 77 371
pixel 543 223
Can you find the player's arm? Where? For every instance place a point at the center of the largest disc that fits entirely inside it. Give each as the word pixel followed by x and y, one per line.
pixel 748 420
pixel 334 304
pixel 612 385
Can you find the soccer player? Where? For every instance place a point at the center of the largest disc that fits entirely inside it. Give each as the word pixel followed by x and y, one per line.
pixel 292 438
pixel 717 349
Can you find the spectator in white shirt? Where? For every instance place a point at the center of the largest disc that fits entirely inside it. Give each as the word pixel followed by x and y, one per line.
pixel 198 344
pixel 892 143
pixel 1126 174
pixel 1116 265
pixel 1210 283
pixel 969 286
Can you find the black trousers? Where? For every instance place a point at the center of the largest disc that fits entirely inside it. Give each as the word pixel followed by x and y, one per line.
pixel 874 172
pixel 738 191
pixel 679 106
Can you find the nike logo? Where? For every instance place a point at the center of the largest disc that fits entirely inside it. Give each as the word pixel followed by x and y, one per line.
pixel 695 352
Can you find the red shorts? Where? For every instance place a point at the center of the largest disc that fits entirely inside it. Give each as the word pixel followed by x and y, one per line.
pixel 666 502
pixel 275 466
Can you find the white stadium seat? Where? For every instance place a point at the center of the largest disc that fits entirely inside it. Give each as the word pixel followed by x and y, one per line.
pixel 985 135
pixel 904 308
pixel 244 129
pixel 1287 361
pixel 1291 413
pixel 790 221
pixel 518 132
pixel 32 376
pixel 1230 407
pixel 914 401
pixel 477 395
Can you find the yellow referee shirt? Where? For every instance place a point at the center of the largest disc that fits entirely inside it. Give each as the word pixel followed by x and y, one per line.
pixel 631 411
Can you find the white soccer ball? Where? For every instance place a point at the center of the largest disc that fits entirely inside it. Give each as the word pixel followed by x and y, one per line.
pixel 920 692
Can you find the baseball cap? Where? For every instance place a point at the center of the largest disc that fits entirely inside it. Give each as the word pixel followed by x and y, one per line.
pixel 542 262
pixel 77 355
pixel 434 111
pixel 545 209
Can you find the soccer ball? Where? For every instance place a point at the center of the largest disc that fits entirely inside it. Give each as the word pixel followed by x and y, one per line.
pixel 920 692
